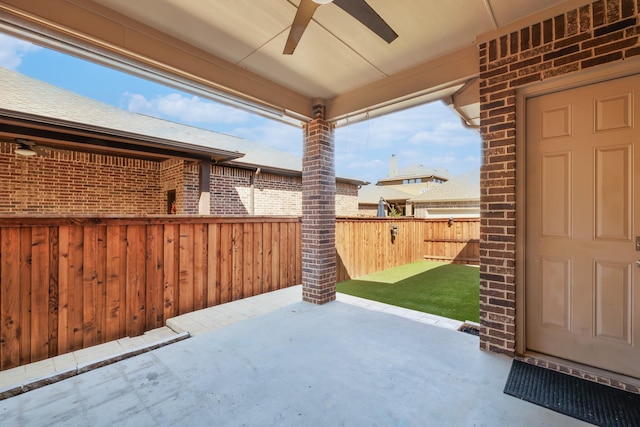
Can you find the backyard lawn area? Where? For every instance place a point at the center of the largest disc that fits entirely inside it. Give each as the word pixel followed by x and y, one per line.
pixel 448 290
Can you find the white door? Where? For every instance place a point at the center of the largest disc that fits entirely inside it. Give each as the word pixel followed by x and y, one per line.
pixel 582 225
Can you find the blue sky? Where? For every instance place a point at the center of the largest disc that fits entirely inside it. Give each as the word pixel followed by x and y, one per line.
pixel 430 135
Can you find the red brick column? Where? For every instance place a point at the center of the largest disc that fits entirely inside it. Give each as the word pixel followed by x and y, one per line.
pixel 318 211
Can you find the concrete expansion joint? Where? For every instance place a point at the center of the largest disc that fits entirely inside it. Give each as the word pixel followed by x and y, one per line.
pixel 81 368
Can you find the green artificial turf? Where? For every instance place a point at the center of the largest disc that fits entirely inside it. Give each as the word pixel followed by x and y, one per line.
pixel 448 290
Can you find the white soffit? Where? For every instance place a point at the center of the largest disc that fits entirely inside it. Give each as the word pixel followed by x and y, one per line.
pixel 239 45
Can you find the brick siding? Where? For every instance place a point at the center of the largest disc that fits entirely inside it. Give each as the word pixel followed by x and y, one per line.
pixel 190 189
pixel 273 194
pixel 593 35
pixel 346 199
pixel 172 178
pixel 80 183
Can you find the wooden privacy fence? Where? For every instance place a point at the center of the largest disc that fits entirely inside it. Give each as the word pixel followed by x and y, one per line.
pixel 70 283
pixel 366 245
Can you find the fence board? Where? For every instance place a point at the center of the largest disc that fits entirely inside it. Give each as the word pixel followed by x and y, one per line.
pixel 25 294
pixel 54 265
pixel 213 268
pixel 291 255
pixel 267 258
pixel 257 258
pixel 236 264
pixel 101 271
pixel 247 259
pixel 63 288
pixel 135 277
pixel 185 284
pixel 89 287
pixel 10 290
pixel 275 256
pixel 75 323
pixel 226 263
pixel 199 266
pixel 115 319
pixel 154 276
pixel 170 270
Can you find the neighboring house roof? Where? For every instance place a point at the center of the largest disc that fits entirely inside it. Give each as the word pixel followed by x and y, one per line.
pixel 417 171
pixel 63 116
pixel 465 187
pixel 37 99
pixel 370 194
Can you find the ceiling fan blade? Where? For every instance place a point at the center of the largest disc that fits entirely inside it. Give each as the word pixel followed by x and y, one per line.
pixel 364 13
pixel 300 22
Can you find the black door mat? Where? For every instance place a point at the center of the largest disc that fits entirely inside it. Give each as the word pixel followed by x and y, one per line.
pixel 585 400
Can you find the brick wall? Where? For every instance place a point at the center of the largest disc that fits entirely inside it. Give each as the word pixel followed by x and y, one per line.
pixel 78 183
pixel 81 183
pixel 230 190
pixel 191 189
pixel 278 195
pixel 591 36
pixel 172 178
pixel 346 199
pixel 272 194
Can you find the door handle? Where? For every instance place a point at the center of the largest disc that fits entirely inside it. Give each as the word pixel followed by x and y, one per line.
pixel 638 263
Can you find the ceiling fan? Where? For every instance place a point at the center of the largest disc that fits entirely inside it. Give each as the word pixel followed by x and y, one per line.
pixel 359 9
pixel 28 148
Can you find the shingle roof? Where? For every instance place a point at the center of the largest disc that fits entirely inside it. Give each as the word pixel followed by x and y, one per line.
pixel 20 93
pixel 370 194
pixel 463 187
pixel 417 171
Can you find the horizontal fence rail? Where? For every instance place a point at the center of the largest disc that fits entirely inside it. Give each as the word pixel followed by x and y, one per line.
pixel 69 283
pixel 367 245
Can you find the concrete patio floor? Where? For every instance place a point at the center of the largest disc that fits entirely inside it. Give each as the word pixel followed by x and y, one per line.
pixel 283 362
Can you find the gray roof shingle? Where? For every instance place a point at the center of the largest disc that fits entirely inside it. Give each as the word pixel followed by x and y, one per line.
pixel 370 194
pixel 417 171
pixel 465 187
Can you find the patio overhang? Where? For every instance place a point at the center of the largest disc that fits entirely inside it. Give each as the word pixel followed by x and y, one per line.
pixel 356 75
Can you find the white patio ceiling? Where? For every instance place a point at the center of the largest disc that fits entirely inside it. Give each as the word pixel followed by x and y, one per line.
pixel 234 48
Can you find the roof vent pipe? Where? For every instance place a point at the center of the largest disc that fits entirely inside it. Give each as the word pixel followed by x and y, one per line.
pixel 393 166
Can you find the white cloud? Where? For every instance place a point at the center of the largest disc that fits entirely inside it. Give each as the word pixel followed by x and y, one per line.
pixel 445 133
pixel 184 108
pixel 362 168
pixel 430 135
pixel 12 51
pixel 275 134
